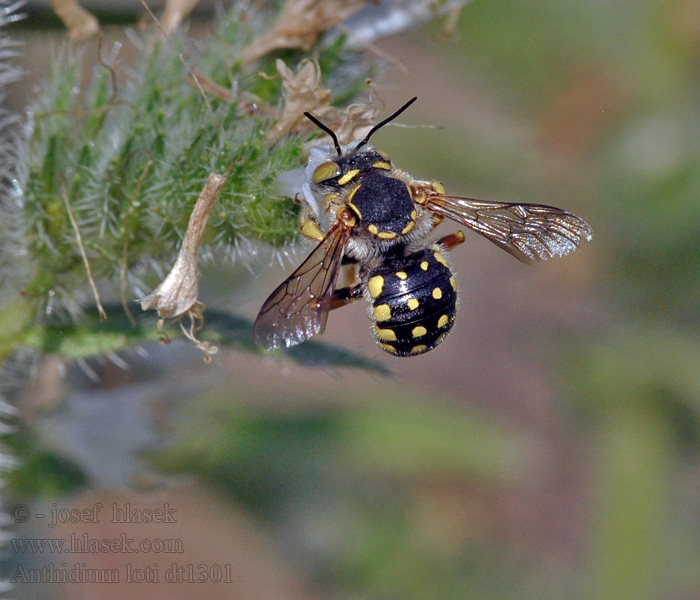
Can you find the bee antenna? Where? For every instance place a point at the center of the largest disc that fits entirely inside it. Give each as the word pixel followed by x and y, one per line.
pixel 385 121
pixel 327 129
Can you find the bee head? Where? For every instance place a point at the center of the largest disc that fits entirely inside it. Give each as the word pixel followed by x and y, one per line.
pixel 332 169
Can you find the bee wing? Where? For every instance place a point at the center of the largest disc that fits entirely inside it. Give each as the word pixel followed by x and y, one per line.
pixel 298 308
pixel 530 232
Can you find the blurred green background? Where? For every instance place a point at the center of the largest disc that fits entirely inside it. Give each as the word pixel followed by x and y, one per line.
pixel 548 449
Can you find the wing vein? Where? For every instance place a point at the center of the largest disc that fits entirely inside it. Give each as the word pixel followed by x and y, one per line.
pixel 530 232
pixel 298 308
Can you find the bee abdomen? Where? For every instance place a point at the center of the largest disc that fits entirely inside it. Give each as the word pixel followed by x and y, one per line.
pixel 414 301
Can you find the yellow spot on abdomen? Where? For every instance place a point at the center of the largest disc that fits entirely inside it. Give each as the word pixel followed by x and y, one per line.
pixel 388 348
pixel 382 312
pixel 453 282
pixel 419 331
pixel 388 335
pixel 437 293
pixel 401 274
pixel 375 285
pixel 419 349
pixel 443 320
pixel 413 304
pixel 441 259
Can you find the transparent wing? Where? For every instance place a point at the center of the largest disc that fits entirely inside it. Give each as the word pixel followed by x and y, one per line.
pixel 530 232
pixel 298 308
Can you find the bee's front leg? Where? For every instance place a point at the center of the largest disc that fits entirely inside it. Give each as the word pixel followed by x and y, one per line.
pixel 307 224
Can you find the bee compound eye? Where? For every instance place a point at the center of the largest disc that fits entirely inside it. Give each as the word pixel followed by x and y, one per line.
pixel 326 171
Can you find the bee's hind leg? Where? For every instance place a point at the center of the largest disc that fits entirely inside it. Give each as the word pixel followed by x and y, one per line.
pixel 353 288
pixel 345 296
pixel 450 241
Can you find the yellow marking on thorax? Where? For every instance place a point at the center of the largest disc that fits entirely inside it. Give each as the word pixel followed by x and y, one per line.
pixel 354 209
pixel 353 191
pixel 408 227
pixel 424 265
pixel 380 164
pixel 348 176
pixel 386 235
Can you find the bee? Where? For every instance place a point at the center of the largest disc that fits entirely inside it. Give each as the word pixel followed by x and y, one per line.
pixel 366 213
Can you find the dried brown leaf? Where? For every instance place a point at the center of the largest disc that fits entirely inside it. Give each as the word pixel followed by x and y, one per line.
pixel 355 121
pixel 81 24
pixel 177 294
pixel 299 24
pixel 175 12
pixel 302 92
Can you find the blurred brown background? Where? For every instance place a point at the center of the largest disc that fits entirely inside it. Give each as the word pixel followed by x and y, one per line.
pixel 548 449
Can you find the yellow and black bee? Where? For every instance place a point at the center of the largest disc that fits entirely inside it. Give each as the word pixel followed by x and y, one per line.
pixel 365 212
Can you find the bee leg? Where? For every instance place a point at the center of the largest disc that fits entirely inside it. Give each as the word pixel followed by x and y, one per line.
pixel 345 296
pixel 437 219
pixel 451 240
pixel 308 227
